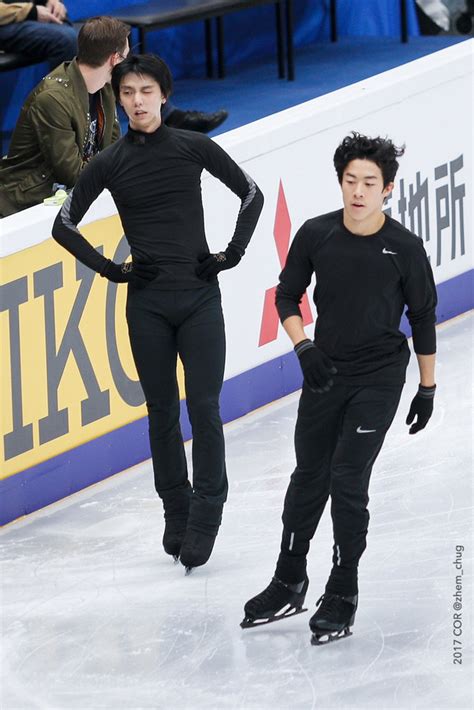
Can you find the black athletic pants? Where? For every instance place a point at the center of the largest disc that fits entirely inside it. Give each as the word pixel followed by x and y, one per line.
pixel 337 439
pixel 163 324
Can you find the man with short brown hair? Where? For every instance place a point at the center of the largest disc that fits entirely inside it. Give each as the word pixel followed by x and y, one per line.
pixel 71 115
pixel 68 118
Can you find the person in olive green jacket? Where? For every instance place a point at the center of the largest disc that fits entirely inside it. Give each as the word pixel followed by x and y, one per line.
pixel 68 118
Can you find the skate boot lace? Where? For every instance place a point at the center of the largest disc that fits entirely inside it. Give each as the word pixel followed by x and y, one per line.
pixel 268 593
pixel 329 604
pixel 275 595
pixel 333 604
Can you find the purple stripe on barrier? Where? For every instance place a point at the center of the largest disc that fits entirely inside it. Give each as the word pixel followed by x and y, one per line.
pixel 89 463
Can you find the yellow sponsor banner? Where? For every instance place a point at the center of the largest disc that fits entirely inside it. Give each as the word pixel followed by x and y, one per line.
pixel 67 372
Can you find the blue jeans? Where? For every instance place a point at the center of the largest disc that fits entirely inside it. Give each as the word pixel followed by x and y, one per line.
pixel 40 41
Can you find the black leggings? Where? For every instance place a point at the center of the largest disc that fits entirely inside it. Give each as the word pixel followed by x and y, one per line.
pixel 337 439
pixel 163 324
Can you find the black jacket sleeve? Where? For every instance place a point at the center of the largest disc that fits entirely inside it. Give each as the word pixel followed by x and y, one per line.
pixel 220 164
pixel 420 296
pixel 295 277
pixel 88 187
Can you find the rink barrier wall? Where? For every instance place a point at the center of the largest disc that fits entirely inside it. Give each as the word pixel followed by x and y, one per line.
pixel 72 408
pixel 96 460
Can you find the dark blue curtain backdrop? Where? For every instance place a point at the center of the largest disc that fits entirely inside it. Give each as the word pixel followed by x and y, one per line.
pixel 249 37
pixel 250 34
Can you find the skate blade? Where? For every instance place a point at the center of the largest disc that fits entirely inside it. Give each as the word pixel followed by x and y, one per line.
pixel 175 559
pixel 250 623
pixel 322 639
pixel 187 571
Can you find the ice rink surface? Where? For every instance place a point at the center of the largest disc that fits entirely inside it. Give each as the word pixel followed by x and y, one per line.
pixel 95 615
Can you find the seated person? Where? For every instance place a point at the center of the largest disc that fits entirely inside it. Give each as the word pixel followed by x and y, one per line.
pixel 70 116
pixel 38 29
pixel 66 119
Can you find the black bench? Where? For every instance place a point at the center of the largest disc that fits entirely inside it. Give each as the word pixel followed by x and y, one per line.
pixel 13 60
pixel 159 14
pixel 9 61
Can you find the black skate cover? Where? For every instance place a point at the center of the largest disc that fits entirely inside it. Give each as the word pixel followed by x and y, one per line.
pixel 278 601
pixel 333 619
pixel 173 537
pixel 196 549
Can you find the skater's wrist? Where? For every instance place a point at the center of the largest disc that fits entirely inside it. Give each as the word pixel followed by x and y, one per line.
pixel 303 345
pixel 117 273
pixel 427 392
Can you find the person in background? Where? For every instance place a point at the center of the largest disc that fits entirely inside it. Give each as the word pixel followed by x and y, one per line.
pixel 39 29
pixel 70 116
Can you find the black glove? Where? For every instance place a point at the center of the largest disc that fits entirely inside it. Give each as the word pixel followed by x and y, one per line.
pixel 211 264
pixel 138 274
pixel 317 367
pixel 422 408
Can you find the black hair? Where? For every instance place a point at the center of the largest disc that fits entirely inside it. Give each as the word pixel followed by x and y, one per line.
pixel 380 151
pixel 143 64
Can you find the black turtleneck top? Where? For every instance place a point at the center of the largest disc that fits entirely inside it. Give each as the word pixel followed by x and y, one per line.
pixel 363 285
pixel 155 181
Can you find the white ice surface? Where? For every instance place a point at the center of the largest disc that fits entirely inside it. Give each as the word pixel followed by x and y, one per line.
pixel 95 615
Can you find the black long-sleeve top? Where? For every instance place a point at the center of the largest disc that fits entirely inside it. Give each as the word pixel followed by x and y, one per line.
pixel 363 284
pixel 155 181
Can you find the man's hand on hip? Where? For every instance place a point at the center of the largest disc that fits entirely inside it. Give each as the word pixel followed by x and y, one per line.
pixel 136 273
pixel 211 264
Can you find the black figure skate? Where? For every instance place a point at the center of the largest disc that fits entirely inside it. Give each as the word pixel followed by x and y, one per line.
pixel 278 601
pixel 333 618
